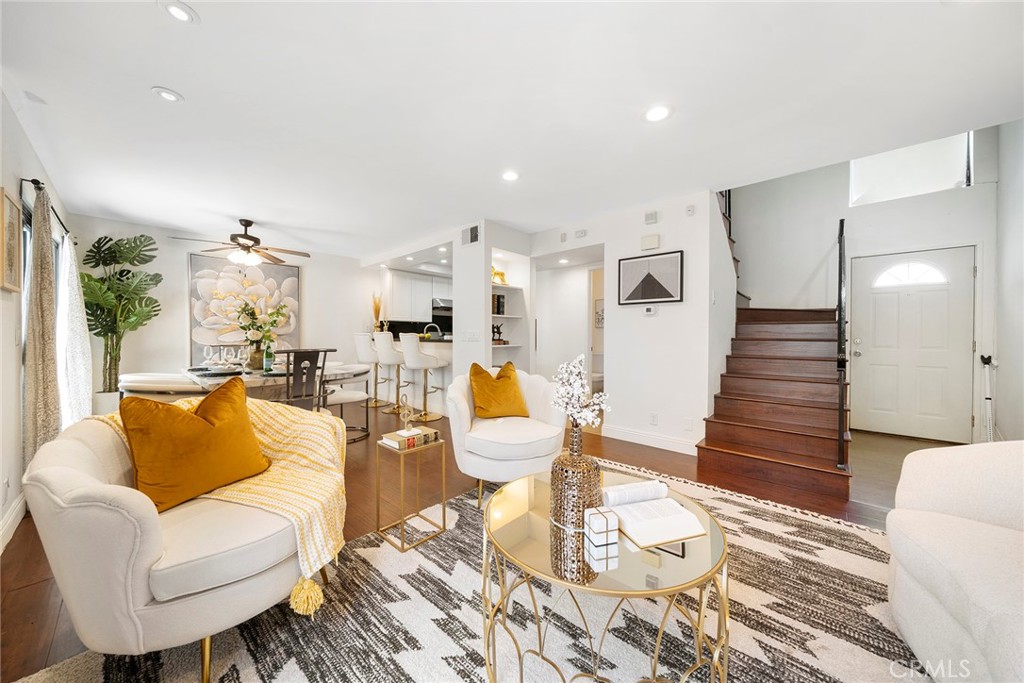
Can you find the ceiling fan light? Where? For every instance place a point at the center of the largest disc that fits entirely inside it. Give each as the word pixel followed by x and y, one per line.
pixel 239 257
pixel 252 259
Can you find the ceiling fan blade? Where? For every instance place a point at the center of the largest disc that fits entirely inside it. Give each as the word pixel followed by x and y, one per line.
pixel 196 239
pixel 268 257
pixel 286 251
pixel 207 251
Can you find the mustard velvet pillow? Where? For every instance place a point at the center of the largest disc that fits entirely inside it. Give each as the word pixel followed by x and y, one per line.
pixel 497 396
pixel 179 454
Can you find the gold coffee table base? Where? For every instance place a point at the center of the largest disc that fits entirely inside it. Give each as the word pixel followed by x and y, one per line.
pixel 712 652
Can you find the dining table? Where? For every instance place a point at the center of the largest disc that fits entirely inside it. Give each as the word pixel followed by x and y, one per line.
pixel 271 386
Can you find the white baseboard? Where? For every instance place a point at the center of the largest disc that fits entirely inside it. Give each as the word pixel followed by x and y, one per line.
pixel 13 518
pixel 668 443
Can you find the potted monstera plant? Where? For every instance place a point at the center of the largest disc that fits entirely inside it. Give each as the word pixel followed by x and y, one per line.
pixel 117 300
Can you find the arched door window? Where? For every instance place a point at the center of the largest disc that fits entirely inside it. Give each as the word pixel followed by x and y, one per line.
pixel 910 273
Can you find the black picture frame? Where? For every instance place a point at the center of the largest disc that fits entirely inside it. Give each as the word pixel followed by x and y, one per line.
pixel 651 279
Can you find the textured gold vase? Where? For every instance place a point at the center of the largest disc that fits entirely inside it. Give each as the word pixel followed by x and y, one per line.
pixel 567 556
pixel 575 483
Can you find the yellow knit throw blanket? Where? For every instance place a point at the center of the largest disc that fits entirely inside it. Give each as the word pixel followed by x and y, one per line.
pixel 305 483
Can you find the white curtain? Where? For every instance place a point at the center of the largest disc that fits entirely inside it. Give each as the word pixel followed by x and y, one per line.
pixel 74 356
pixel 42 402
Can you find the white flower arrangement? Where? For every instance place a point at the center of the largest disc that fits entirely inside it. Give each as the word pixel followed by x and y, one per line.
pixel 573 397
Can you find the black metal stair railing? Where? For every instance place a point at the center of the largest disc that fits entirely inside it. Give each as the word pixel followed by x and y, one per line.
pixel 841 346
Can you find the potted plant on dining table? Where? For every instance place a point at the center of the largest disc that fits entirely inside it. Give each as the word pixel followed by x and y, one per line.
pixel 259 329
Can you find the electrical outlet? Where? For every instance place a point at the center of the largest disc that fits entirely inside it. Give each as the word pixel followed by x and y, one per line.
pixel 580 233
pixel 654 419
pixel 562 237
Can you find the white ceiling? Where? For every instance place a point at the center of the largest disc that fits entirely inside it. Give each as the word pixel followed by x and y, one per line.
pixel 348 128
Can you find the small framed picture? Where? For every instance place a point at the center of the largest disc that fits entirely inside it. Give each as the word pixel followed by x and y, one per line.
pixel 655 279
pixel 10 245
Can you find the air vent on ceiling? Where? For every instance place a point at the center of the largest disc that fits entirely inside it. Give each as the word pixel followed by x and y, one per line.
pixel 471 235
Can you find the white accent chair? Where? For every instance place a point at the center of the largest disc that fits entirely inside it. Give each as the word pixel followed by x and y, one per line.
pixel 389 356
pixel 135 581
pixel 366 353
pixel 956 587
pixel 505 448
pixel 416 359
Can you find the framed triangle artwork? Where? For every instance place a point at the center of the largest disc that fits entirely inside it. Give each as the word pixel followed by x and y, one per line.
pixel 654 279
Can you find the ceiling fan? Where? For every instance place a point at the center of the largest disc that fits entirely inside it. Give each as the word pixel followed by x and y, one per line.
pixel 247 249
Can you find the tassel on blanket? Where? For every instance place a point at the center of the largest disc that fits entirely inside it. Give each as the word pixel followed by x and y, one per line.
pixel 307 596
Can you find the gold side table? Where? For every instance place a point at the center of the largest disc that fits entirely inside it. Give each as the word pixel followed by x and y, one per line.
pixel 417 454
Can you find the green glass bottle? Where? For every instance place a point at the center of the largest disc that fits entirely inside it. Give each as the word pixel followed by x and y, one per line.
pixel 268 358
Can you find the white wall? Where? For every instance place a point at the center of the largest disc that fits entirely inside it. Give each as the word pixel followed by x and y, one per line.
pixel 335 298
pixel 786 229
pixel 562 309
pixel 653 364
pixel 19 160
pixel 1008 380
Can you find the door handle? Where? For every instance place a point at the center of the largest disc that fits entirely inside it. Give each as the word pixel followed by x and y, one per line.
pixel 857 353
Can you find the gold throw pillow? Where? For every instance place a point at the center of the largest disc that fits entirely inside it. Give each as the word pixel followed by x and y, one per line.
pixel 497 396
pixel 179 454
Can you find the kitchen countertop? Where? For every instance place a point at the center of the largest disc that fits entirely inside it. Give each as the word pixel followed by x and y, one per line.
pixel 437 341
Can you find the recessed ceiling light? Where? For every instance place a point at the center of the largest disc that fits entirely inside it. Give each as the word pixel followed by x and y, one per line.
pixel 510 175
pixel 444 260
pixel 658 112
pixel 409 258
pixel 498 254
pixel 181 12
pixel 563 261
pixel 384 266
pixel 442 249
pixel 167 94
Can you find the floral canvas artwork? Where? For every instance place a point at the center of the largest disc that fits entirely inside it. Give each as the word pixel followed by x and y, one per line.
pixel 218 292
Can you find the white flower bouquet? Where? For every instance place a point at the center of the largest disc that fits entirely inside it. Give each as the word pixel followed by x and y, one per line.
pixel 572 395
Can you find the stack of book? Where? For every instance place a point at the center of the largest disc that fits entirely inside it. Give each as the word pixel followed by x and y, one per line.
pixel 411 438
pixel 648 518
pixel 498 304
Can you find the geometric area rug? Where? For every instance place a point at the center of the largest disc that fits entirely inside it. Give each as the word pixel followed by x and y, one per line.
pixel 807 597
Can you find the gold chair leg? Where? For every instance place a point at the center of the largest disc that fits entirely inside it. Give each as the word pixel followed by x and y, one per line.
pixel 323 575
pixel 425 415
pixel 205 646
pixel 395 409
pixel 375 402
pixel 479 493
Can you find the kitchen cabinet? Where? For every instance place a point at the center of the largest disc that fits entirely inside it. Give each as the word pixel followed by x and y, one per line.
pixel 442 287
pixel 411 296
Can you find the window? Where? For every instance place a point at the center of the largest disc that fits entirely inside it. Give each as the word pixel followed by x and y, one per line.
pixel 910 273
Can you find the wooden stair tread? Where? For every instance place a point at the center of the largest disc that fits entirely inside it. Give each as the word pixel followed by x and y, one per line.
pixel 784 322
pixel 786 427
pixel 784 378
pixel 791 310
pixel 778 400
pixel 756 357
pixel 780 457
pixel 786 339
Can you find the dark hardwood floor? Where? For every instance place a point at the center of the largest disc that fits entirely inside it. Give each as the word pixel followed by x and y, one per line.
pixel 35 631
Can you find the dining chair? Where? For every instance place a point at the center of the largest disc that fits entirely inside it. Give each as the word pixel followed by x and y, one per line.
pixel 303 380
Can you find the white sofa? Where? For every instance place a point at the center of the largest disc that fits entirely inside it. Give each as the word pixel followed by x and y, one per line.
pixel 135 581
pixel 505 448
pixel 957 540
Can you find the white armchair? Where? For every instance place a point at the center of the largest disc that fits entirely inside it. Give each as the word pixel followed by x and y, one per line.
pixel 956 586
pixel 136 581
pixel 505 448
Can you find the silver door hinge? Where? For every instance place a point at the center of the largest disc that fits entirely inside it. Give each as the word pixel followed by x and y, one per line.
pixel 972 420
pixel 974 345
pixel 975 271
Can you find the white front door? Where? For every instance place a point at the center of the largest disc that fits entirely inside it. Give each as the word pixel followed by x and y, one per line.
pixel 911 344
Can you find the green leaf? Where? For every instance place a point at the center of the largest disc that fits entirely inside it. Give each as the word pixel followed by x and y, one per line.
pixel 101 254
pixel 102 321
pixel 135 251
pixel 96 292
pixel 139 312
pixel 130 285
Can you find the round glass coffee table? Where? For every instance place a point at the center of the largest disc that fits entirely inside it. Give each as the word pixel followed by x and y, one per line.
pixel 518 541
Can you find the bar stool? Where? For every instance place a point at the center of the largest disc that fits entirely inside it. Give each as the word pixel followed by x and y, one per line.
pixel 416 359
pixel 336 394
pixel 366 353
pixel 388 355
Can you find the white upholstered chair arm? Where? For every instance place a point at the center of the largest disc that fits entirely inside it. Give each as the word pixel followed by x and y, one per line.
pixel 980 482
pixel 460 413
pixel 101 541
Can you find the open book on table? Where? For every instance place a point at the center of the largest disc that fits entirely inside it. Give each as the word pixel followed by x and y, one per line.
pixel 652 523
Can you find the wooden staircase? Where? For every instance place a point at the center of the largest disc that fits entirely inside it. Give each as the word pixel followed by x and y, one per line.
pixel 777 416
